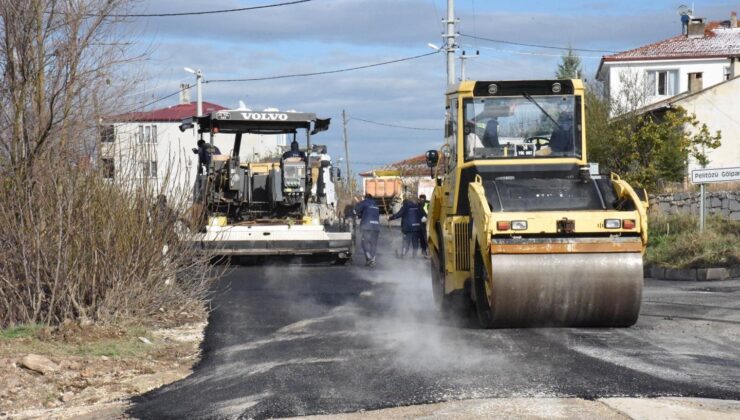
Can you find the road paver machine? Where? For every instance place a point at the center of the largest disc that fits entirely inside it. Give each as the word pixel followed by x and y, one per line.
pixel 275 206
pixel 520 225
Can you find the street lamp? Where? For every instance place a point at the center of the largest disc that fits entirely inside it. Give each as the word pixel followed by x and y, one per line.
pixel 198 77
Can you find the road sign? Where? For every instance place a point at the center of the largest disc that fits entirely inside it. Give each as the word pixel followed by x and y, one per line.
pixel 703 176
pixel 707 175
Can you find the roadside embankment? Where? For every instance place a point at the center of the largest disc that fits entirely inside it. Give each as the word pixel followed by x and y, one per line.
pixel 75 370
pixel 678 251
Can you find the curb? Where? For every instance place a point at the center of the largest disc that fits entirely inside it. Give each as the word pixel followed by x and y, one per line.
pixel 692 274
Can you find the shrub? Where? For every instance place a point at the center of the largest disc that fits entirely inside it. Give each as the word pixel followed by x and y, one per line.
pixel 675 242
pixel 76 246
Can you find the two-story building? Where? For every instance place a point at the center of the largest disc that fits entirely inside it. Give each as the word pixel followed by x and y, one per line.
pixel 698 70
pixel 703 55
pixel 148 149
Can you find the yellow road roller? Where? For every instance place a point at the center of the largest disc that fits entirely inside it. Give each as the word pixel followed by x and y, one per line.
pixel 520 225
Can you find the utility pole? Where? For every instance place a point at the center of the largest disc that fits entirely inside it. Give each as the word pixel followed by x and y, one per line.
pixel 199 96
pixel 450 43
pixel 199 93
pixel 346 149
pixel 464 57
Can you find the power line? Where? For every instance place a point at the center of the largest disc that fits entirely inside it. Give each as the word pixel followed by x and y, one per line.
pixel 395 125
pixel 522 44
pixel 528 52
pixel 285 76
pixel 206 12
pixel 140 107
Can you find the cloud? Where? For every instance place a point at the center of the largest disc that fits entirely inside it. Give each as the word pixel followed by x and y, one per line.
pixel 332 34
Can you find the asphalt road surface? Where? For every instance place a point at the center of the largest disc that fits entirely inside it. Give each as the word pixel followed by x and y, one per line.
pixel 288 341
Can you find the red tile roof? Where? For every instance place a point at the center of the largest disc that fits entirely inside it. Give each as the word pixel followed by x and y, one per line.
pixel 173 113
pixel 718 41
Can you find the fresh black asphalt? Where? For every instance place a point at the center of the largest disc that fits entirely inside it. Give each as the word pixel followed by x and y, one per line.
pixel 286 341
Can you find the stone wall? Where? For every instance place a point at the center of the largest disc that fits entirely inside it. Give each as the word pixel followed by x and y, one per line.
pixel 726 204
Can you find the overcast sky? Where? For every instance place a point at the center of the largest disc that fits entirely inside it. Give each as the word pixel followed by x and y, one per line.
pixel 325 35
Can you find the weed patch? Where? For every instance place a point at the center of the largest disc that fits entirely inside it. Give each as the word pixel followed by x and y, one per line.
pixel 675 242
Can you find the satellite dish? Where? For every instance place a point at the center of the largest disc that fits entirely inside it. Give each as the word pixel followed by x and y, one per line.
pixel 683 10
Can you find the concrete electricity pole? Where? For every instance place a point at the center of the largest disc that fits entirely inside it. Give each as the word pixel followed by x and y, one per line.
pixel 346 149
pixel 463 58
pixel 198 78
pixel 450 41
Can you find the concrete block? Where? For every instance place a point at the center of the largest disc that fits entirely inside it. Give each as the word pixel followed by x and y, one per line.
pixel 734 205
pixel 725 203
pixel 714 202
pixel 657 272
pixel 735 215
pixel 712 274
pixel 687 274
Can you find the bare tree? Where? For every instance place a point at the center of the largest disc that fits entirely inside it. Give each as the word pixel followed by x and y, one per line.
pixel 73 245
pixel 59 61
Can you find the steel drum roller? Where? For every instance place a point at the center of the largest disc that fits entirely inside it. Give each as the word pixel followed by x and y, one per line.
pixel 586 289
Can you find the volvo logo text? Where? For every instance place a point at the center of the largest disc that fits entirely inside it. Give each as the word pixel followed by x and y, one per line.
pixel 264 116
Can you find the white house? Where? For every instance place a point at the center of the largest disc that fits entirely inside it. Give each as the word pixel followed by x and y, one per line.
pixel 704 55
pixel 698 70
pixel 718 107
pixel 148 149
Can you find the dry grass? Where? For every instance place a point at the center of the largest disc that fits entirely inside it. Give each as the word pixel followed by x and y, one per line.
pixel 675 242
pixel 76 246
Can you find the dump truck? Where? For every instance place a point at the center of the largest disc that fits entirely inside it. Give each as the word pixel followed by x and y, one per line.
pixel 386 187
pixel 520 226
pixel 282 206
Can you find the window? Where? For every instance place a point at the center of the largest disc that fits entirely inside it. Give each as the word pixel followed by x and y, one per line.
pixel 107 134
pixel 149 169
pixel 147 134
pixel 695 82
pixel 662 83
pixel 726 73
pixel 509 127
pixel 109 168
pixel 451 133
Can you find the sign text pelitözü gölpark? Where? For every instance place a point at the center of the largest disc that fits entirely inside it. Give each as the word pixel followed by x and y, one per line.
pixel 702 176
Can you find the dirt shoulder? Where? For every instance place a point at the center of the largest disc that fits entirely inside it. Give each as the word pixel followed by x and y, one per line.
pixel 91 371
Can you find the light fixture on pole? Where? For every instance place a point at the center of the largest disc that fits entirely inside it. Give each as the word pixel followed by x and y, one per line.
pixel 198 78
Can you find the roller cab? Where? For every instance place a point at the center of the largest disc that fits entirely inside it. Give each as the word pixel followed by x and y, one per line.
pixel 520 225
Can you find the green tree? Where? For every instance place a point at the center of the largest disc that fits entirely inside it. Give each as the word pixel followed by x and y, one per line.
pixel 645 148
pixel 570 66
